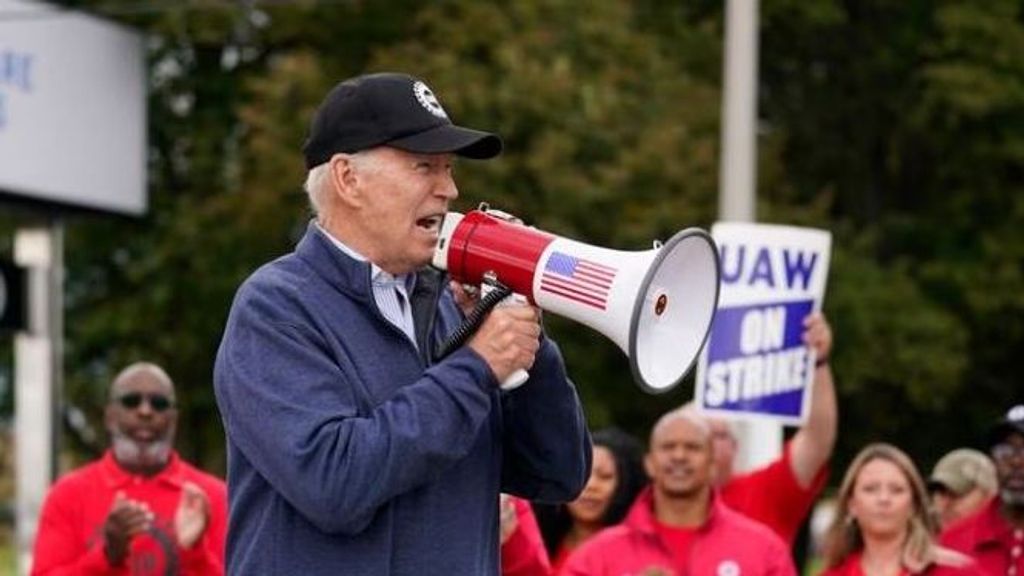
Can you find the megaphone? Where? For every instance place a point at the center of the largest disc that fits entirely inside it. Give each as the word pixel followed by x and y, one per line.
pixel 656 305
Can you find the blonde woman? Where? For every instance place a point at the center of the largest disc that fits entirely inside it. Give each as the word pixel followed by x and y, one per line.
pixel 883 527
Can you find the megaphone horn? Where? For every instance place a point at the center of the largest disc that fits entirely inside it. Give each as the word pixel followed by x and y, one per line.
pixel 656 305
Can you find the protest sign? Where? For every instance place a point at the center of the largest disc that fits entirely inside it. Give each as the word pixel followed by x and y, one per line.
pixel 755 364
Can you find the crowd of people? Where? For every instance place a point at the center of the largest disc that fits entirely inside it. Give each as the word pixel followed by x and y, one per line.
pixel 352 449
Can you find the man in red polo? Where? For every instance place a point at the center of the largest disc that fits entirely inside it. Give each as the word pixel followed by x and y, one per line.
pixel 140 510
pixel 995 536
pixel 679 525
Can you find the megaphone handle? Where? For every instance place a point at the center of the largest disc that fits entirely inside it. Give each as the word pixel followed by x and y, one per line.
pixel 519 377
pixel 515 380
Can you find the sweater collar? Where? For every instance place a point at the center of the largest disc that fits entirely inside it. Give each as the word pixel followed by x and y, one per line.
pixel 340 270
pixel 378 275
pixel 114 476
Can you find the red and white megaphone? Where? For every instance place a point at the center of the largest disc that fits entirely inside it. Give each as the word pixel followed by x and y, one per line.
pixel 656 305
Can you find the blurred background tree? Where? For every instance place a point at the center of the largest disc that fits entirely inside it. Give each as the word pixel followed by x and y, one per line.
pixel 896 124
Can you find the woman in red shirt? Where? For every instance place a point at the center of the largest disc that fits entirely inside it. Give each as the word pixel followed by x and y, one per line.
pixel 616 477
pixel 883 526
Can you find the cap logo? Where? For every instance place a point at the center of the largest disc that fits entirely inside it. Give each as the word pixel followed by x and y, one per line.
pixel 428 100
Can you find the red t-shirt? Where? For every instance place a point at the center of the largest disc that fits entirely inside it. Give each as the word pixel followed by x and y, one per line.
pixel 987 537
pixel 561 557
pixel 677 540
pixel 70 535
pixel 773 496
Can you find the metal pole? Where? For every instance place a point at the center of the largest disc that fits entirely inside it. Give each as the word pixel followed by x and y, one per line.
pixel 758 442
pixel 37 378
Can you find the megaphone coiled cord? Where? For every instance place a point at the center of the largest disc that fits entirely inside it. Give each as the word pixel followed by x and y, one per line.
pixel 471 324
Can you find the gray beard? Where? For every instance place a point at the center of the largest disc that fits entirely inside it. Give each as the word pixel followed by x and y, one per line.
pixel 135 454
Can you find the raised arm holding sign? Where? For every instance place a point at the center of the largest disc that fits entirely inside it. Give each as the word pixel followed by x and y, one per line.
pixel 767 358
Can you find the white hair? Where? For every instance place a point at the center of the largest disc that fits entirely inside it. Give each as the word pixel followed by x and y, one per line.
pixel 315 185
pixel 316 179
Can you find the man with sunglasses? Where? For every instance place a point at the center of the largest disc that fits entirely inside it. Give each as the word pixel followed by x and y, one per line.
pixel 351 448
pixel 995 535
pixel 140 509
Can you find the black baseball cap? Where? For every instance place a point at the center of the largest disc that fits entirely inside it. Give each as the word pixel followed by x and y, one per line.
pixel 390 109
pixel 1011 423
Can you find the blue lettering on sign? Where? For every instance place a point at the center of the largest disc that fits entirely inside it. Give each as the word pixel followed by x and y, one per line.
pixel 15 74
pixel 16 70
pixel 798 267
pixel 757 361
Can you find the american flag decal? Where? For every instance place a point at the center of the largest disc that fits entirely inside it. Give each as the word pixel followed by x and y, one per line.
pixel 577 279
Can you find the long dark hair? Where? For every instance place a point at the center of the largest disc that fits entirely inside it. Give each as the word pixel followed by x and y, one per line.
pixel 555 520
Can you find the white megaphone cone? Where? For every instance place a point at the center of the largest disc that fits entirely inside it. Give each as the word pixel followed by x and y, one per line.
pixel 656 305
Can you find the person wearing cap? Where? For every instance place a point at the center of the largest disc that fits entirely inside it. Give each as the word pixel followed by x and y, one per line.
pixel 962 482
pixel 351 449
pixel 995 535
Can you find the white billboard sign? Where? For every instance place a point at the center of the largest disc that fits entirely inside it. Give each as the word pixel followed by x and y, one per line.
pixel 72 109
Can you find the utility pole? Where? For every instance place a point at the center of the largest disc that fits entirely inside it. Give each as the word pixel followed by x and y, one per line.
pixel 758 442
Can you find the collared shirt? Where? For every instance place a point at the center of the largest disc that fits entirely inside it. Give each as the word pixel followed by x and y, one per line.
pixel 390 292
pixel 70 536
pixel 636 547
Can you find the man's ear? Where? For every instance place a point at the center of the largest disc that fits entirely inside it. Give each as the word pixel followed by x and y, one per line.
pixel 344 179
pixel 649 465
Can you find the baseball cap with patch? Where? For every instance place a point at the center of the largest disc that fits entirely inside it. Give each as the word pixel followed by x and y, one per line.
pixel 390 109
pixel 963 470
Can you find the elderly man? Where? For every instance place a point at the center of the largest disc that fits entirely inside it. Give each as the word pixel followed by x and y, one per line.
pixel 678 524
pixel 995 535
pixel 961 483
pixel 140 509
pixel 351 449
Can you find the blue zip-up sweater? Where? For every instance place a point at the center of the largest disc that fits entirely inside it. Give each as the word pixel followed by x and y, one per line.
pixel 349 452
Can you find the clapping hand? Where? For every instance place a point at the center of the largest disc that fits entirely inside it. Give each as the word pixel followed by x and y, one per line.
pixel 127 518
pixel 192 515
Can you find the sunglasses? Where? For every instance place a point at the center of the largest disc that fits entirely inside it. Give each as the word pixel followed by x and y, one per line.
pixel 158 402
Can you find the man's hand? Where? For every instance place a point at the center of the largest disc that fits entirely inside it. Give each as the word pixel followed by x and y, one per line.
pixel 508 339
pixel 192 515
pixel 465 296
pixel 818 336
pixel 126 519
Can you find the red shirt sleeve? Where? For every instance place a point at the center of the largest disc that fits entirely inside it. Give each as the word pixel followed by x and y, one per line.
pixel 773 496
